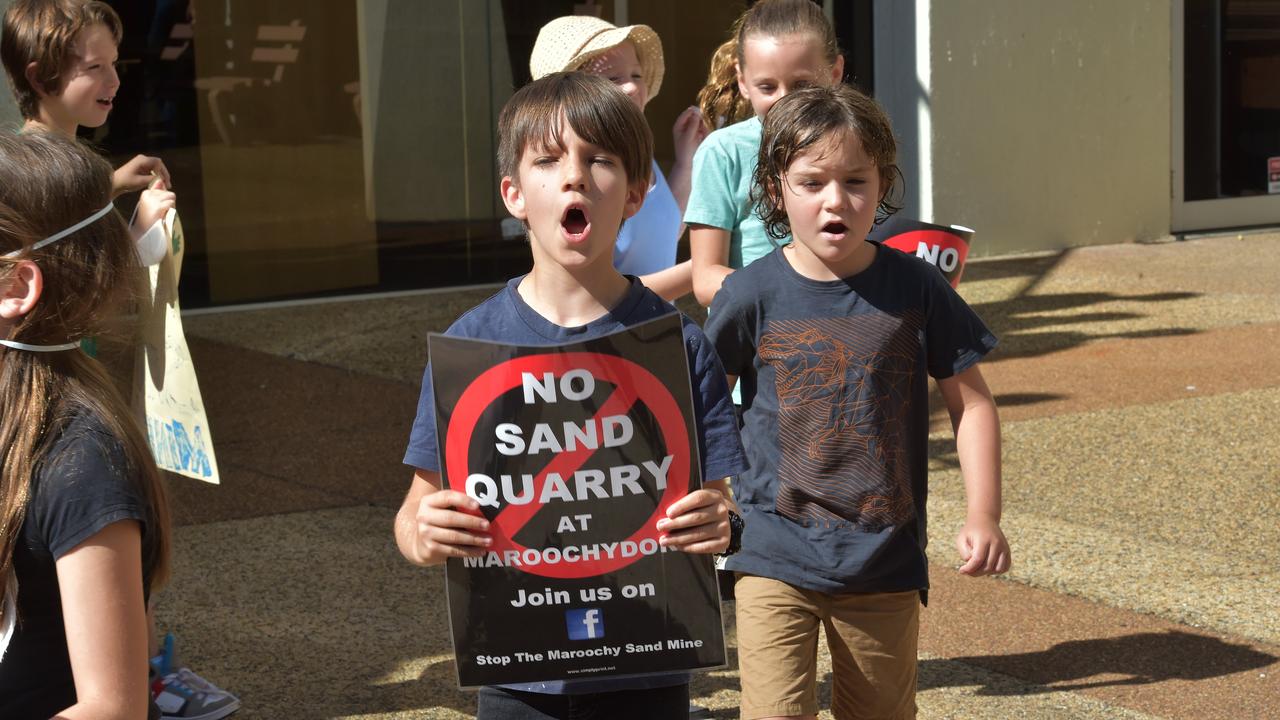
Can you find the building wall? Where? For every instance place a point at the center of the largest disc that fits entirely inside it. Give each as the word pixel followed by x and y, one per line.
pixel 8 108
pixel 1040 124
pixel 688 41
pixel 434 74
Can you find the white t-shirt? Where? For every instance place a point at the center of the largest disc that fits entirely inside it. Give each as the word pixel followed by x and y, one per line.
pixel 647 241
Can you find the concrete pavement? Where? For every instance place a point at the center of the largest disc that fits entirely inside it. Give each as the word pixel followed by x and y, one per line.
pixel 1138 385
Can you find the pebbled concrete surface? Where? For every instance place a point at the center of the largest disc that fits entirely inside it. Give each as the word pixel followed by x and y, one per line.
pixel 1138 387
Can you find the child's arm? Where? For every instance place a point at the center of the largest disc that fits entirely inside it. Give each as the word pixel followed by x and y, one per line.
pixel 104 616
pixel 688 133
pixel 974 419
pixel 433 524
pixel 153 205
pixel 150 240
pixel 709 251
pixel 137 174
pixel 699 521
pixel 676 281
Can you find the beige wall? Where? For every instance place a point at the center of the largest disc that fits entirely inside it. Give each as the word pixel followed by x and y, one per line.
pixel 1040 124
pixel 688 41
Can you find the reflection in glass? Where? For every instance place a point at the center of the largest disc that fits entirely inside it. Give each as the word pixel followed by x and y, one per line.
pixel 1232 98
pixel 323 148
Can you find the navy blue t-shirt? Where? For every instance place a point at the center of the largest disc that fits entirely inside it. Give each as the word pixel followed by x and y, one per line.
pixel 835 406
pixel 506 317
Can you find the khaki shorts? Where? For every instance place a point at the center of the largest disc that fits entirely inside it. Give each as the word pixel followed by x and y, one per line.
pixel 872 638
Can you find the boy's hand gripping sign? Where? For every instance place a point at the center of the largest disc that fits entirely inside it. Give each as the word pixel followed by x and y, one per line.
pixel 574 453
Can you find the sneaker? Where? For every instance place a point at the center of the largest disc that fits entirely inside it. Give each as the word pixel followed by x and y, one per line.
pixel 184 695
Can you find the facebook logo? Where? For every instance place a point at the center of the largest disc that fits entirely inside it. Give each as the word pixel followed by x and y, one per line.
pixel 585 624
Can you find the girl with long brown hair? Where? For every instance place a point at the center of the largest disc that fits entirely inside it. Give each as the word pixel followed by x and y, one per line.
pixel 719 101
pixel 84 523
pixel 777 47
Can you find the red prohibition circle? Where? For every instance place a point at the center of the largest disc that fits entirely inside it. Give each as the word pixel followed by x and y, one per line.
pixel 907 242
pixel 631 383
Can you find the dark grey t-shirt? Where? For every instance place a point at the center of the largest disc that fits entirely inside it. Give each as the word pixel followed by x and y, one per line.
pixel 835 415
pixel 82 486
pixel 508 318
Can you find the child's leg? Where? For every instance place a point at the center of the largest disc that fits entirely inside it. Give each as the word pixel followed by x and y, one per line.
pixel 777 648
pixel 873 639
pixel 502 704
pixel 665 703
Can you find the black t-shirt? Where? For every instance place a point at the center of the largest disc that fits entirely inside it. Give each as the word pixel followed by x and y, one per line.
pixel 81 487
pixel 835 409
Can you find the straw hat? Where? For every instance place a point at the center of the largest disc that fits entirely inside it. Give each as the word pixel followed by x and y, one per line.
pixel 568 42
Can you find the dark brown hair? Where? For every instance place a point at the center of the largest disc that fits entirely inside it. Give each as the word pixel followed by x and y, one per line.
pixel 805 118
pixel 47 183
pixel 595 108
pixel 44 32
pixel 720 97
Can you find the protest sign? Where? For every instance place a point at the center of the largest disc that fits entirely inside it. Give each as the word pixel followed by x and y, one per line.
pixel 945 246
pixel 574 453
pixel 165 384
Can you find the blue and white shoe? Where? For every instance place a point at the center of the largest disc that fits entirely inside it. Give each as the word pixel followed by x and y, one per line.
pixel 184 695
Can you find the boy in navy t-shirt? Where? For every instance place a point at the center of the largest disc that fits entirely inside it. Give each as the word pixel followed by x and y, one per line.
pixel 575 155
pixel 834 339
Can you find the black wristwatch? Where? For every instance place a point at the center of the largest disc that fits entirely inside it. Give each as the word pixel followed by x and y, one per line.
pixel 736 526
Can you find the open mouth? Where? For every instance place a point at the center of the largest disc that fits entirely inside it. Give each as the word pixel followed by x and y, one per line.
pixel 105 102
pixel 575 222
pixel 835 228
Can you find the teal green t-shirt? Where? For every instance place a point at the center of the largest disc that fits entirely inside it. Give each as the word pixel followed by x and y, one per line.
pixel 722 170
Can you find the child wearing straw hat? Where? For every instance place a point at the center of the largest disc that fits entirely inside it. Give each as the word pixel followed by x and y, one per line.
pixel 631 58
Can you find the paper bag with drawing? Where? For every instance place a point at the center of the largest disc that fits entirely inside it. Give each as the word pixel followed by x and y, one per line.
pixel 165 383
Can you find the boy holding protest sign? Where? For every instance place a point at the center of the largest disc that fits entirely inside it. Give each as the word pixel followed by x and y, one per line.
pixel 575 156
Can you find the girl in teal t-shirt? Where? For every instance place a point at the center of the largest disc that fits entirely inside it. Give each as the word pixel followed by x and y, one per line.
pixel 779 46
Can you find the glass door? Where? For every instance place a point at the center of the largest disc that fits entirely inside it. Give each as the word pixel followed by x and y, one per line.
pixel 1226 113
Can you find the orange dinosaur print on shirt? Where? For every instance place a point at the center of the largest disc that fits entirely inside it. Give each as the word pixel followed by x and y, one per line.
pixel 844 394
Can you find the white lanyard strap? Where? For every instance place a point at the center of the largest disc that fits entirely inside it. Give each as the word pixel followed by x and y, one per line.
pixel 39 348
pixel 59 235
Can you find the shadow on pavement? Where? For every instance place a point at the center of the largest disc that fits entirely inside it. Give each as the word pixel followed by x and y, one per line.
pixel 1004 400
pixel 1139 659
